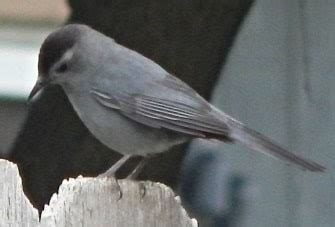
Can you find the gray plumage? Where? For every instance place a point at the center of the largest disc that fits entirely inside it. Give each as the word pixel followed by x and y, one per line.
pixel 133 105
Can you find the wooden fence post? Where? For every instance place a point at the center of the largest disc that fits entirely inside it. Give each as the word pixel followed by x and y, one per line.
pixel 91 202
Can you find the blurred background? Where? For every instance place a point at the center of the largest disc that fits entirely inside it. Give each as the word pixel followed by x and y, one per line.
pixel 268 63
pixel 23 27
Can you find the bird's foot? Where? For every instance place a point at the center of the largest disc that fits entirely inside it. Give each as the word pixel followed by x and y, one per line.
pixel 110 173
pixel 142 189
pixel 109 176
pixel 119 190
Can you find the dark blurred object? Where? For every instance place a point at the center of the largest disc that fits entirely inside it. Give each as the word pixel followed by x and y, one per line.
pixel 188 38
pixel 210 189
pixel 12 114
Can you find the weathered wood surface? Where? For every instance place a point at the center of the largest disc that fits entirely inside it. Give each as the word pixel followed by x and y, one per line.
pixel 91 202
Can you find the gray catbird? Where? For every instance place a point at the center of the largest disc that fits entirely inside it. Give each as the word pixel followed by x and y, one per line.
pixel 133 105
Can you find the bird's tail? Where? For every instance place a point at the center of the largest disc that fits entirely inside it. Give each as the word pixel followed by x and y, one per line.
pixel 258 142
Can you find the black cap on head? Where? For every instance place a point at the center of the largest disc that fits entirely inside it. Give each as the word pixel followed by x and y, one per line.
pixel 55 45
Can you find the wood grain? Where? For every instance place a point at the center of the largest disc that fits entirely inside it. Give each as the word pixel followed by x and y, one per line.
pixel 91 202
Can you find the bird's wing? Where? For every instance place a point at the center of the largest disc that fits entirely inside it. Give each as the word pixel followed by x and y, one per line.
pixel 164 113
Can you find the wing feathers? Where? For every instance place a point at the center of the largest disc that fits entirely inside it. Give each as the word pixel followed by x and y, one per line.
pixel 164 113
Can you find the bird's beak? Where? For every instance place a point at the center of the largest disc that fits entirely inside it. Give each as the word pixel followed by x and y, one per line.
pixel 40 83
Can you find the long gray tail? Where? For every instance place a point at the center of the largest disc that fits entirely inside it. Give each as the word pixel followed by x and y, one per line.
pixel 258 142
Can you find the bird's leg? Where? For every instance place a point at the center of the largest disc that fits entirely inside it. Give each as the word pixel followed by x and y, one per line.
pixel 134 174
pixel 112 170
pixel 115 167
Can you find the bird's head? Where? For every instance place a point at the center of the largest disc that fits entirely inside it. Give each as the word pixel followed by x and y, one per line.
pixel 58 57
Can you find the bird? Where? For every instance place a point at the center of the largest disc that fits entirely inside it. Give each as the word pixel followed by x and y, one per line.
pixel 134 106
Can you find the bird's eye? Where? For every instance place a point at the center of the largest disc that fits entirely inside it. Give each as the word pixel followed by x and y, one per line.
pixel 62 68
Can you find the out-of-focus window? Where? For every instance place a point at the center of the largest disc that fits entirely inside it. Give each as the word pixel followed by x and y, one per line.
pixel 23 27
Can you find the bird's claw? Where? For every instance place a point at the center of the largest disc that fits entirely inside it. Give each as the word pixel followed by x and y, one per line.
pixel 119 189
pixel 142 189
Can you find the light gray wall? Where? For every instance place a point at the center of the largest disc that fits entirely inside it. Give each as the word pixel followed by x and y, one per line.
pixel 280 80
